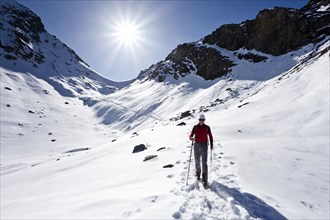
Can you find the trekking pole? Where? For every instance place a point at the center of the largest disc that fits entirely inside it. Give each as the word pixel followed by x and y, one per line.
pixel 211 162
pixel 192 143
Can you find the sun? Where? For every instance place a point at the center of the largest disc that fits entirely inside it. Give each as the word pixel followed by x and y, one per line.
pixel 127 33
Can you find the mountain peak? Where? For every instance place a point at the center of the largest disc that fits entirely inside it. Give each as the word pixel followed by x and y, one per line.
pixel 23 18
pixel 26 46
pixel 273 32
pixel 316 6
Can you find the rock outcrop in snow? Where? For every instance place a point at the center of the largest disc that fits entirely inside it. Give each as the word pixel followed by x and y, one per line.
pixel 274 31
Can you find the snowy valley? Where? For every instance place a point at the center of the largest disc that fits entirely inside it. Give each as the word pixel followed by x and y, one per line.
pixel 67 133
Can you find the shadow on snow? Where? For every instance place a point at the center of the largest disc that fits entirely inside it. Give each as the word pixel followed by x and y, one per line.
pixel 254 205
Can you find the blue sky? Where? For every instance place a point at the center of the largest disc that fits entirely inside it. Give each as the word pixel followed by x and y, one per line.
pixel 94 29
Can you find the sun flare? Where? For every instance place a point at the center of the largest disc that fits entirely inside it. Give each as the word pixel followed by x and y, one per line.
pixel 127 33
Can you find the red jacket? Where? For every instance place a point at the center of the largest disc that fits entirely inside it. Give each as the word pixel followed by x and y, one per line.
pixel 201 132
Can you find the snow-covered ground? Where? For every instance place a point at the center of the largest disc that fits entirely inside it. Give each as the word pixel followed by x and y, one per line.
pixel 271 156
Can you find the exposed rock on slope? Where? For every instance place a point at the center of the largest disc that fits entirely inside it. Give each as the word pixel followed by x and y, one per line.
pixel 274 31
pixel 189 57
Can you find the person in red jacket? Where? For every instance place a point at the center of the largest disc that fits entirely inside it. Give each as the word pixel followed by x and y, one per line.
pixel 201 131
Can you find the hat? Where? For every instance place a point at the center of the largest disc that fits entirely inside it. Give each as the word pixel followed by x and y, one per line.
pixel 202 117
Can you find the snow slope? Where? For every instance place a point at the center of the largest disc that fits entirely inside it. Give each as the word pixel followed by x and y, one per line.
pixel 33 114
pixel 67 135
pixel 147 101
pixel 271 157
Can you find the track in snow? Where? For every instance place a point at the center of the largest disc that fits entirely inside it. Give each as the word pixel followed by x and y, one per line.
pixel 219 201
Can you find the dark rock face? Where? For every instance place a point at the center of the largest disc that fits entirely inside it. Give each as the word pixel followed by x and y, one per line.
pixel 28 28
pixel 275 31
pixel 26 20
pixel 188 58
pixel 209 63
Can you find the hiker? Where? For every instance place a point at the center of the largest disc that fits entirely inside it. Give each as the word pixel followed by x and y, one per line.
pixel 201 130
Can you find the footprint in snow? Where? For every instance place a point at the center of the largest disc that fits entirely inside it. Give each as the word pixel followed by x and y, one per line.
pixel 153 199
pixel 176 215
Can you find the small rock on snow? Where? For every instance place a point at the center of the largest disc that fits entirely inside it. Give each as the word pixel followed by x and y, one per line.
pixel 149 157
pixel 176 215
pixel 242 104
pixel 139 148
pixel 168 166
pixel 181 124
pixel 77 150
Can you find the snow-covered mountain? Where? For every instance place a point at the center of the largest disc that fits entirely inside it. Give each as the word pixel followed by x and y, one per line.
pixel 27 47
pixel 67 133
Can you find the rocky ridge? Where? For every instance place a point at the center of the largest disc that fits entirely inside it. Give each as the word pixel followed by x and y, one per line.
pixel 274 31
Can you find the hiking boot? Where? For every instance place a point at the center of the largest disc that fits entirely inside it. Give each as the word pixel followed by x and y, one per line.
pixel 205 183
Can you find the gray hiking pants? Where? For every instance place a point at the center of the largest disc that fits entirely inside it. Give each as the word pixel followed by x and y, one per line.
pixel 200 150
